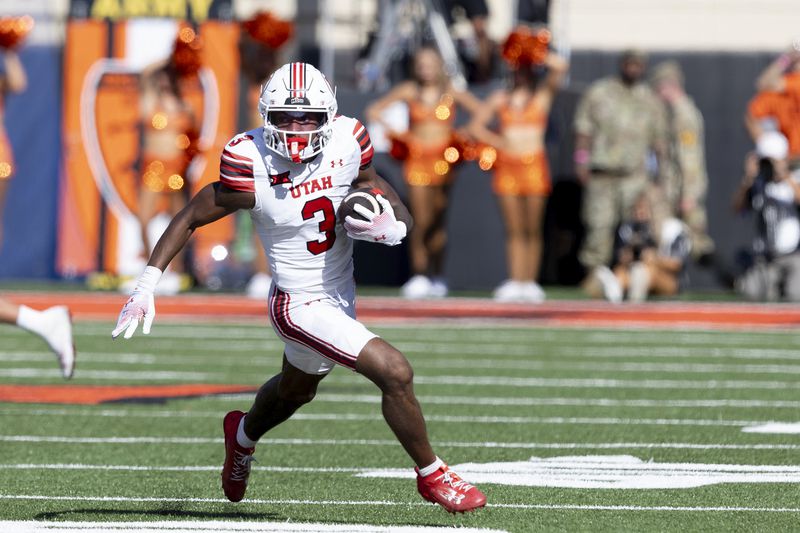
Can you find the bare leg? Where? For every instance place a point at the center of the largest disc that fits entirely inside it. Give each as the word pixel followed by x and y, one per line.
pixel 534 216
pixel 436 237
pixel 422 212
pixel 279 398
pixel 511 209
pixel 385 366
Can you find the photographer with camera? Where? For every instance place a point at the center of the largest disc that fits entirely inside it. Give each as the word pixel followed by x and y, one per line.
pixel 649 258
pixel 769 190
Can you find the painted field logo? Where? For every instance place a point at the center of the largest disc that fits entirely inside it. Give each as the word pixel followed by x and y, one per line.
pixel 611 472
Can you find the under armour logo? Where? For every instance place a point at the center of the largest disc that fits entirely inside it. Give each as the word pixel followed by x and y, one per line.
pixel 333 163
pixel 278 179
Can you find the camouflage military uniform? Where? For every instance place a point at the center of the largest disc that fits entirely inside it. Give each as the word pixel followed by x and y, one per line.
pixel 683 172
pixel 623 123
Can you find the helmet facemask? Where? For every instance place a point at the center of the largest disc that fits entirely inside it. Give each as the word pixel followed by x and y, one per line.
pixel 297 134
pixel 298 106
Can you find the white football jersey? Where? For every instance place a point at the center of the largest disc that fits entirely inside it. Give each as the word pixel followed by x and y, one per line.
pixel 296 204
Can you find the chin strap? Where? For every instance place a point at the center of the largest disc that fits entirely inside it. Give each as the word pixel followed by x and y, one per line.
pixel 296 146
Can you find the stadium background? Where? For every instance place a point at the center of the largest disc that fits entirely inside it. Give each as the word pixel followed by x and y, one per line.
pixel 721 45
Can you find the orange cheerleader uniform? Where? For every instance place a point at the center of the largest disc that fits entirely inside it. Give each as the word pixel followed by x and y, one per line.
pixel 522 174
pixel 166 174
pixel 425 165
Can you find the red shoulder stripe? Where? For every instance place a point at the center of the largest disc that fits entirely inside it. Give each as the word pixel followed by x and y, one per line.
pixel 238 184
pixel 236 157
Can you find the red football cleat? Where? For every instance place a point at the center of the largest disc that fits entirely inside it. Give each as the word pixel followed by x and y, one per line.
pixel 236 469
pixel 446 488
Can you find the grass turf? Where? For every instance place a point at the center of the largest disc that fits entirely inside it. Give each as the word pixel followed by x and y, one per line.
pixel 490 394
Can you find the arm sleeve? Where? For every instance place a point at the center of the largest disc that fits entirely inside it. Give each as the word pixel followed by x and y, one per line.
pixel 361 136
pixel 235 168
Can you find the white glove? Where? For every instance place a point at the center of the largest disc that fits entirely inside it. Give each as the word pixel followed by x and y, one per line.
pixel 383 228
pixel 140 306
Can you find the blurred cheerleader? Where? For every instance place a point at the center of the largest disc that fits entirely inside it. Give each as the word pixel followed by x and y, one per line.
pixel 169 137
pixel 12 80
pixel 521 172
pixel 432 102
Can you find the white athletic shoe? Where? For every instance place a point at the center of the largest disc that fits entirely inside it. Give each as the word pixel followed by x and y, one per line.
pixel 417 287
pixel 258 286
pixel 532 292
pixel 57 325
pixel 438 288
pixel 508 291
pixel 612 290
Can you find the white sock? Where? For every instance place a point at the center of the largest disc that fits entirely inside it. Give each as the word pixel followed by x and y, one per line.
pixel 431 468
pixel 242 438
pixel 31 320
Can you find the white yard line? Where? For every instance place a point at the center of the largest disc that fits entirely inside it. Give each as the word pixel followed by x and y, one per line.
pixel 214 526
pixel 374 503
pixel 463 419
pixel 578 383
pixel 44 439
pixel 566 463
pixel 482 401
pixel 21 373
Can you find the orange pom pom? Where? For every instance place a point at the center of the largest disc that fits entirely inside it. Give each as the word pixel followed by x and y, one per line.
pixel 268 29
pixel 525 47
pixel 14 29
pixel 398 149
pixel 186 55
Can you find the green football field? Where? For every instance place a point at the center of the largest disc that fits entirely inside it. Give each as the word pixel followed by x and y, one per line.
pixel 563 428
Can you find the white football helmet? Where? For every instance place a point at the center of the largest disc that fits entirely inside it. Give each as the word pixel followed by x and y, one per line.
pixel 297 92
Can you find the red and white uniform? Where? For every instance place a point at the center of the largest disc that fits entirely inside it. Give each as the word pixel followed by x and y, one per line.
pixel 312 303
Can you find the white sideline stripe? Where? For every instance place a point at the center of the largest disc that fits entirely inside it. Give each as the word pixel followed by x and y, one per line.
pixel 352 417
pixel 109 374
pixel 197 526
pixel 379 442
pixel 405 504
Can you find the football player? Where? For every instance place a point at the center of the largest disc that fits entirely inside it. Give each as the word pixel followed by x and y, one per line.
pixel 54 325
pixel 291 174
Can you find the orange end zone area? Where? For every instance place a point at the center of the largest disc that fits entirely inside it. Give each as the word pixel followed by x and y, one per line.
pixel 217 307
pixel 93 395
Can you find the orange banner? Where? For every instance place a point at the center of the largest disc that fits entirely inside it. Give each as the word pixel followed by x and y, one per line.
pixel 103 128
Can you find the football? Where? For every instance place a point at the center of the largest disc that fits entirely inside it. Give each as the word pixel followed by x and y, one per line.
pixel 366 197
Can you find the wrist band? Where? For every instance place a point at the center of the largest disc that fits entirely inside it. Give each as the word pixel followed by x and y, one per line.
pixel 581 157
pixel 148 280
